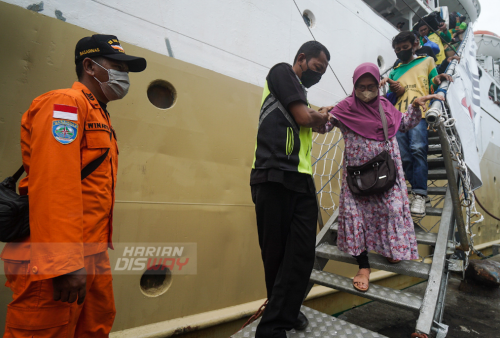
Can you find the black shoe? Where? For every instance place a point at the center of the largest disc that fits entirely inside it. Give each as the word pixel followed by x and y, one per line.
pixel 301 322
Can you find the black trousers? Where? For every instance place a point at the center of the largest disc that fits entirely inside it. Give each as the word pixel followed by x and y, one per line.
pixel 286 222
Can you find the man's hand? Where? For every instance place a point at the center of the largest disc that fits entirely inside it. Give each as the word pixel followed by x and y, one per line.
pixel 454 57
pixel 442 27
pixel 307 117
pixel 325 110
pixel 69 287
pixel 420 101
pixel 325 117
pixel 442 77
pixel 394 86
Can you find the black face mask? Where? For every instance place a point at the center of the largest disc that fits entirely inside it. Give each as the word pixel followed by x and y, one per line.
pixel 310 77
pixel 405 55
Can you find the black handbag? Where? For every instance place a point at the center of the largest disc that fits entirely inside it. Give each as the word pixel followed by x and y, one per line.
pixel 378 174
pixel 14 208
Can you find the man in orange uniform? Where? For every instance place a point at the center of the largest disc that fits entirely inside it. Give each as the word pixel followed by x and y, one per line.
pixel 65 134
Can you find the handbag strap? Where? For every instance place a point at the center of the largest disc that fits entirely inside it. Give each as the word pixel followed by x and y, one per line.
pixel 18 173
pixel 384 122
pixel 384 126
pixel 89 168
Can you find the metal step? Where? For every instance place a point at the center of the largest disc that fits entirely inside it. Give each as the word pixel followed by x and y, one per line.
pixel 408 268
pixel 436 163
pixel 433 211
pixel 434 149
pixel 422 236
pixel 434 140
pixel 437 174
pixel 432 133
pixel 433 191
pixel 320 325
pixel 436 190
pixel 383 294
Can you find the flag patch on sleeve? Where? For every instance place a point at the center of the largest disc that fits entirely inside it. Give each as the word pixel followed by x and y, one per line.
pixel 62 111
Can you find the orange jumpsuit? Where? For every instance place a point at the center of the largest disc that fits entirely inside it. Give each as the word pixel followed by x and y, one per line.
pixel 70 219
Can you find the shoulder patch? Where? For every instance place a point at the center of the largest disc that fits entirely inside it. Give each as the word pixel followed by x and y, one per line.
pixel 64 132
pixel 62 111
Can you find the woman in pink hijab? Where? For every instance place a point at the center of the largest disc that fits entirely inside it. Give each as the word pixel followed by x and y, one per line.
pixel 381 222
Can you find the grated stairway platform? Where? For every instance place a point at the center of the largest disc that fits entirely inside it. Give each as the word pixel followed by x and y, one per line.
pixel 409 268
pixel 383 294
pixel 320 326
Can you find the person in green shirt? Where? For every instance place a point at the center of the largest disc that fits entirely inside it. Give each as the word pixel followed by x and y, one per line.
pixel 427 35
pixel 414 77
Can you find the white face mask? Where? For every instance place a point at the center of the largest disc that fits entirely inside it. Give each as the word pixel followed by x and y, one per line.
pixel 366 96
pixel 117 85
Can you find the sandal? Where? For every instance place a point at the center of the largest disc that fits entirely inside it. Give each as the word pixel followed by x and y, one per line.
pixel 366 276
pixel 392 261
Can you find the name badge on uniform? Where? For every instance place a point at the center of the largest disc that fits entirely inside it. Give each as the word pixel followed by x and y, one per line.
pixel 64 132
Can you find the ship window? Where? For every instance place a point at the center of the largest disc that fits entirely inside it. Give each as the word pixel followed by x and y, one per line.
pixel 381 62
pixel 491 93
pixel 309 18
pixel 156 280
pixel 162 94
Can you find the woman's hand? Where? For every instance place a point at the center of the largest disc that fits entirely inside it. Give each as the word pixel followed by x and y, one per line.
pixel 421 101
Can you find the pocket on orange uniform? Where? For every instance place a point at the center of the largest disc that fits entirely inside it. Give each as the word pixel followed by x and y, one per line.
pixel 16 273
pixel 98 141
pixel 37 322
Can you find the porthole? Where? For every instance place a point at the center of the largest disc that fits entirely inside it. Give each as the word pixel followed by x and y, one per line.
pixel 494 179
pixel 162 94
pixel 381 62
pixel 309 18
pixel 479 231
pixel 156 280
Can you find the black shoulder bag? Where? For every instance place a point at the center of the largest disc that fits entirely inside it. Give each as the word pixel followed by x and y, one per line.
pixel 14 208
pixel 377 175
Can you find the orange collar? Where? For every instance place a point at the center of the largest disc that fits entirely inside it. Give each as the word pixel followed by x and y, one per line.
pixel 86 92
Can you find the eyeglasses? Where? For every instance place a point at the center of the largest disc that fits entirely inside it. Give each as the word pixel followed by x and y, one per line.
pixel 371 88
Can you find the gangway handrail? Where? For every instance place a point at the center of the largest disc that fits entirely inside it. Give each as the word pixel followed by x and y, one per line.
pixel 433 117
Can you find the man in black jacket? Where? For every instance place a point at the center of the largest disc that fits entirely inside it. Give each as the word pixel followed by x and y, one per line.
pixel 283 189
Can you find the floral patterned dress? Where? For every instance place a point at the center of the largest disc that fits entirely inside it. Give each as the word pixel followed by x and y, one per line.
pixel 381 223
